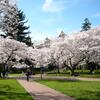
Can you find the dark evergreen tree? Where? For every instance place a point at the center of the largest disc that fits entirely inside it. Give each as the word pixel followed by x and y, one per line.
pixel 86 25
pixel 28 41
pixel 22 34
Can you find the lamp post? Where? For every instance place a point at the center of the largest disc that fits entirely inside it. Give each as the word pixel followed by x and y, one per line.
pixel 41 71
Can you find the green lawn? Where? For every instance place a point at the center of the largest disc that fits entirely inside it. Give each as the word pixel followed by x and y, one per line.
pixel 80 90
pixel 10 89
pixel 83 73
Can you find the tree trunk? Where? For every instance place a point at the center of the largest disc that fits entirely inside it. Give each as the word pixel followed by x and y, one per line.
pixel 0 74
pixel 72 72
pixel 91 71
pixel 41 73
pixel 58 70
pixel 92 67
pixel 32 69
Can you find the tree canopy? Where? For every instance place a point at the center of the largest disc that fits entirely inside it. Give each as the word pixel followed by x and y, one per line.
pixel 86 25
pixel 13 23
pixel 70 51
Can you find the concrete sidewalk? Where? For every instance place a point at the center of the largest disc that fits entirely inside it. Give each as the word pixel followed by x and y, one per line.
pixel 36 77
pixel 42 92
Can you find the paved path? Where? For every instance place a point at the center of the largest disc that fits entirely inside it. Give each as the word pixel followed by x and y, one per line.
pixel 67 78
pixel 88 79
pixel 36 77
pixel 42 92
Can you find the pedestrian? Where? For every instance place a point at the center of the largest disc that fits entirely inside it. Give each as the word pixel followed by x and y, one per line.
pixel 3 73
pixel 28 73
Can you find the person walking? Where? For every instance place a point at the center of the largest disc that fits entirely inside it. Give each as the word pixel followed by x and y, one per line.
pixel 28 73
pixel 3 73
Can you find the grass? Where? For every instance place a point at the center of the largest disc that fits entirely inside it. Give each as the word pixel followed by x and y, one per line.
pixel 90 76
pixel 10 89
pixel 80 90
pixel 83 73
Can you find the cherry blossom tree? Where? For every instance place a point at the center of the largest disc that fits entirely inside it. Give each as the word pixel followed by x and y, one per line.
pixel 9 49
pixel 91 48
pixel 76 48
pixel 68 53
pixel 8 18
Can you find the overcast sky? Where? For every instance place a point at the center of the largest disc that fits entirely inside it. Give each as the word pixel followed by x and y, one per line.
pixel 48 17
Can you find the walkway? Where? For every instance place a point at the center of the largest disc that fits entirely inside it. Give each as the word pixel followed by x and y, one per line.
pixel 36 77
pixel 42 92
pixel 88 79
pixel 67 78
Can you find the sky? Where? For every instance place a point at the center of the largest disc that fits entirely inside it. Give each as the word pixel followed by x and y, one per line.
pixel 47 18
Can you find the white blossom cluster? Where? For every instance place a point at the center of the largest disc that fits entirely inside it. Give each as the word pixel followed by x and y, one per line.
pixel 8 16
pixel 71 49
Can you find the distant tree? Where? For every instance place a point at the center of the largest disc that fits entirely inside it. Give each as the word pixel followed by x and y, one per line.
pixel 86 25
pixel 62 34
pixel 28 41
